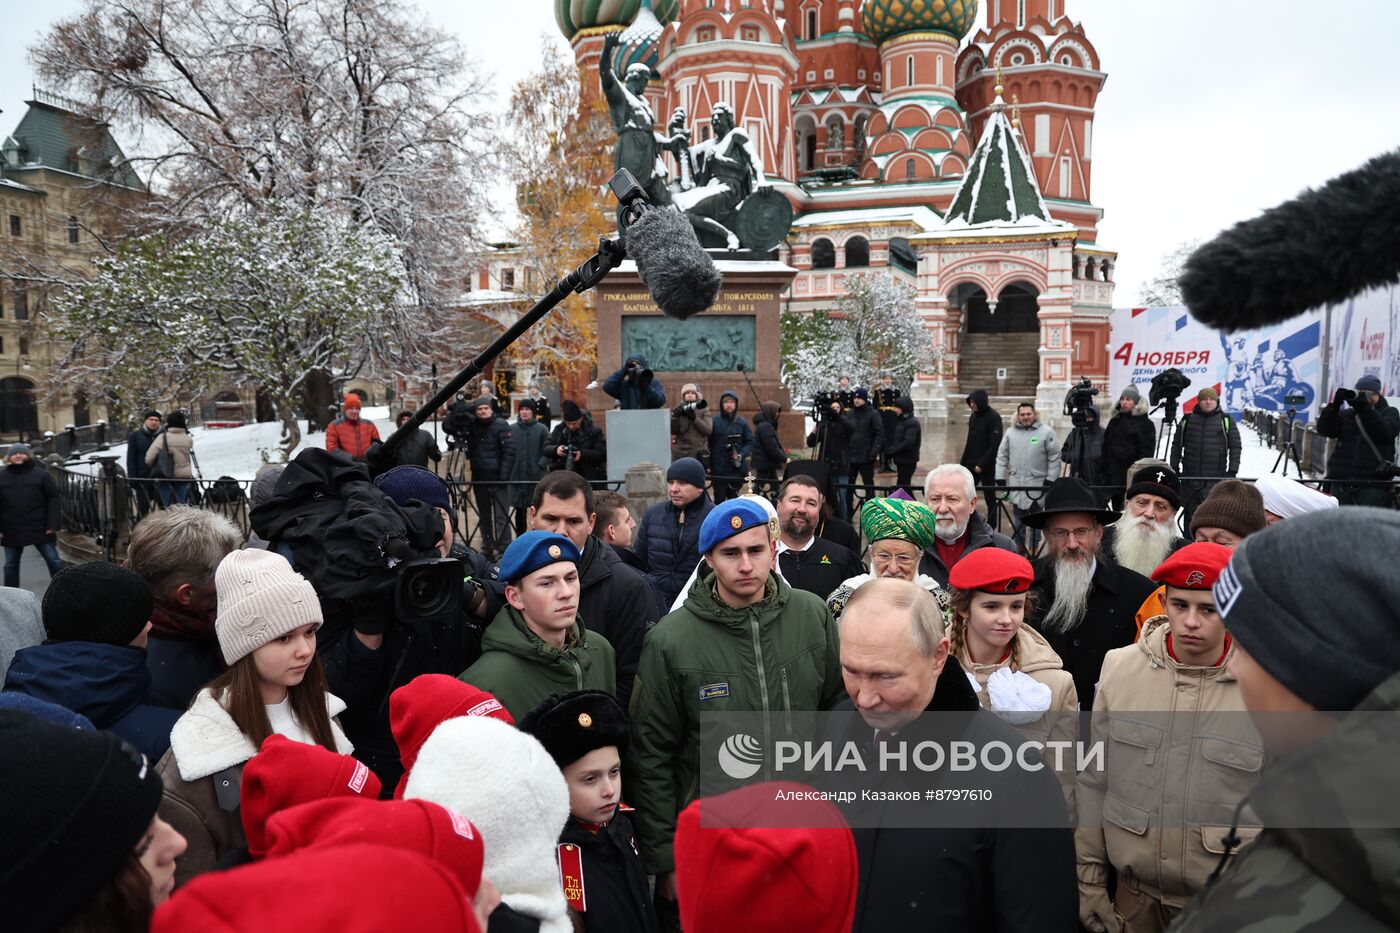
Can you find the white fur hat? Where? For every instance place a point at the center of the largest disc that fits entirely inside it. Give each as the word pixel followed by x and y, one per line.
pixel 508 785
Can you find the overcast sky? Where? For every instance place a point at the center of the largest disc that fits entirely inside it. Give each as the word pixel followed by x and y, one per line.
pixel 1212 111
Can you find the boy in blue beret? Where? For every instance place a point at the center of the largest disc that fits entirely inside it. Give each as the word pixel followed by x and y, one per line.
pixel 537 644
pixel 743 641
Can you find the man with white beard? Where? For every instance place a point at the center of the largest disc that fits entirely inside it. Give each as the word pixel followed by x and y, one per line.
pixel 1147 534
pixel 950 491
pixel 1087 606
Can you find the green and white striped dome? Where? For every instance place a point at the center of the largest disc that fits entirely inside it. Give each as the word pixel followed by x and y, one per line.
pixel 574 16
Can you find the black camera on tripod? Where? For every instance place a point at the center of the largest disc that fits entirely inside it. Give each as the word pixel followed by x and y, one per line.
pixel 1079 401
pixel 1167 386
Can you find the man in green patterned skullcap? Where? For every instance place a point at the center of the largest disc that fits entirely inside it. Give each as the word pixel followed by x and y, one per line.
pixel 896 531
pixel 898 519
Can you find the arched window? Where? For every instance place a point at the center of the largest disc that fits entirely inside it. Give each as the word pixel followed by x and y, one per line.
pixel 908 169
pixel 823 254
pixel 18 412
pixel 857 252
pixel 861 123
pixel 811 24
pixel 835 133
pixel 909 70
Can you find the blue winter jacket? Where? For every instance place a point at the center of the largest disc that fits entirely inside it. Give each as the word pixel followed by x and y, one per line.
pixel 106 683
pixel 634 393
pixel 671 549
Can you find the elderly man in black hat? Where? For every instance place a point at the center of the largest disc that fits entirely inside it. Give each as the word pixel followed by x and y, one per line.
pixel 1088 605
pixel 1147 534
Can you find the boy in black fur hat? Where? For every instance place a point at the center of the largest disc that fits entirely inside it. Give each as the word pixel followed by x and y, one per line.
pixel 601 871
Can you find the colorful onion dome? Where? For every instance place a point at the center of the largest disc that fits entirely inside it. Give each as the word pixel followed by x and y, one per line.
pixel 884 19
pixel 575 16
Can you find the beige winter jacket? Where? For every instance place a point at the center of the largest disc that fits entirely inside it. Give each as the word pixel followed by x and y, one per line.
pixel 1180 752
pixel 202 773
pixel 181 446
pixel 1060 722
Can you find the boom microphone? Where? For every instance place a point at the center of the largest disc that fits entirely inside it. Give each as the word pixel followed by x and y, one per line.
pixel 1320 248
pixel 679 274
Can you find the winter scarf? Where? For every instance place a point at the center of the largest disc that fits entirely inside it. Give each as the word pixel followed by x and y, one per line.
pixel 177 624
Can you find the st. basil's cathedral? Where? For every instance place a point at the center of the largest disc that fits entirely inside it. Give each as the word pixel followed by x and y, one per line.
pixel 962 166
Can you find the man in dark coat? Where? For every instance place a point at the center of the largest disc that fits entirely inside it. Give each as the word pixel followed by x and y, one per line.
pixel 1207 445
pixel 1000 865
pixel 668 539
pixel 904 443
pixel 615 601
pixel 731 443
pixel 1082 453
pixel 984 431
pixel 492 457
pixel 635 385
pixel 577 444
pixel 867 442
pixel 886 400
pixel 93 660
pixel 530 438
pixel 176 551
pixel 1365 441
pixel 137 443
pixel 951 493
pixel 769 457
pixel 831 437
pixel 1128 438
pixel 807 561
pixel 543 413
pixel 416 449
pixel 1087 606
pixel 829 527
pixel 29 512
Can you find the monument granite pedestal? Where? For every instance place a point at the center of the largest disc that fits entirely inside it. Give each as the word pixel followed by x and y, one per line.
pixel 741 328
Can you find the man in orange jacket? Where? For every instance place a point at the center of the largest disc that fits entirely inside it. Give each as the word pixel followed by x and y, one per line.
pixel 348 432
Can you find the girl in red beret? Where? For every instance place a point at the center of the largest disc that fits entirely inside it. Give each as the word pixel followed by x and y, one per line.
pixel 1016 673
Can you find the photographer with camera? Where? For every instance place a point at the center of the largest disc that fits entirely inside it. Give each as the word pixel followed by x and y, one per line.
pixel 1082 453
pixel 458 423
pixel 1365 441
pixel 867 443
pixel 635 385
pixel 831 437
pixel 1128 438
pixel 1207 445
pixel 577 444
pixel 401 596
pixel 731 443
pixel 691 425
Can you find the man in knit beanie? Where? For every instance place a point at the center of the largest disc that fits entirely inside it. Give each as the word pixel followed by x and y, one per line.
pixel 1233 511
pixel 351 433
pixel 93 661
pixel 1315 629
pixel 668 537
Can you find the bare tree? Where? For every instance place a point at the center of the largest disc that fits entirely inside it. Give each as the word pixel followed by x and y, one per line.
pixel 1162 290
pixel 347 106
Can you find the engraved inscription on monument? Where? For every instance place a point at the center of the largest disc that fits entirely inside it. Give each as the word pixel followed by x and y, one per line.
pixel 704 343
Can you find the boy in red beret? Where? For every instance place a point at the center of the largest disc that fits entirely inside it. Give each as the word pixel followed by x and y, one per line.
pixel 1180 752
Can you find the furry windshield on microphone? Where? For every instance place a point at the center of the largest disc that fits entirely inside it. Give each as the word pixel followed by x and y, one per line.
pixel 1320 248
pixel 679 274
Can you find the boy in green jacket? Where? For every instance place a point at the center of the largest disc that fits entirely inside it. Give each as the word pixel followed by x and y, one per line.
pixel 743 641
pixel 537 644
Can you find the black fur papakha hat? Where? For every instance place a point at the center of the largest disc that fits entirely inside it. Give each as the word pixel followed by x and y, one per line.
pixel 572 725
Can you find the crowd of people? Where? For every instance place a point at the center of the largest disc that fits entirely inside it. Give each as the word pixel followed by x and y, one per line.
pixel 189 730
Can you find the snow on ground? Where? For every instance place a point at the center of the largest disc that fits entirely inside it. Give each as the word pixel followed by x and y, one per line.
pixel 238 452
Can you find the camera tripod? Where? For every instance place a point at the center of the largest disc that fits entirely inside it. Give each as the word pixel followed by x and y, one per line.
pixel 1167 432
pixel 1289 451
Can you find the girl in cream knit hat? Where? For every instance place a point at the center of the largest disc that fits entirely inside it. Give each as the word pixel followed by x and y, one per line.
pixel 266 625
